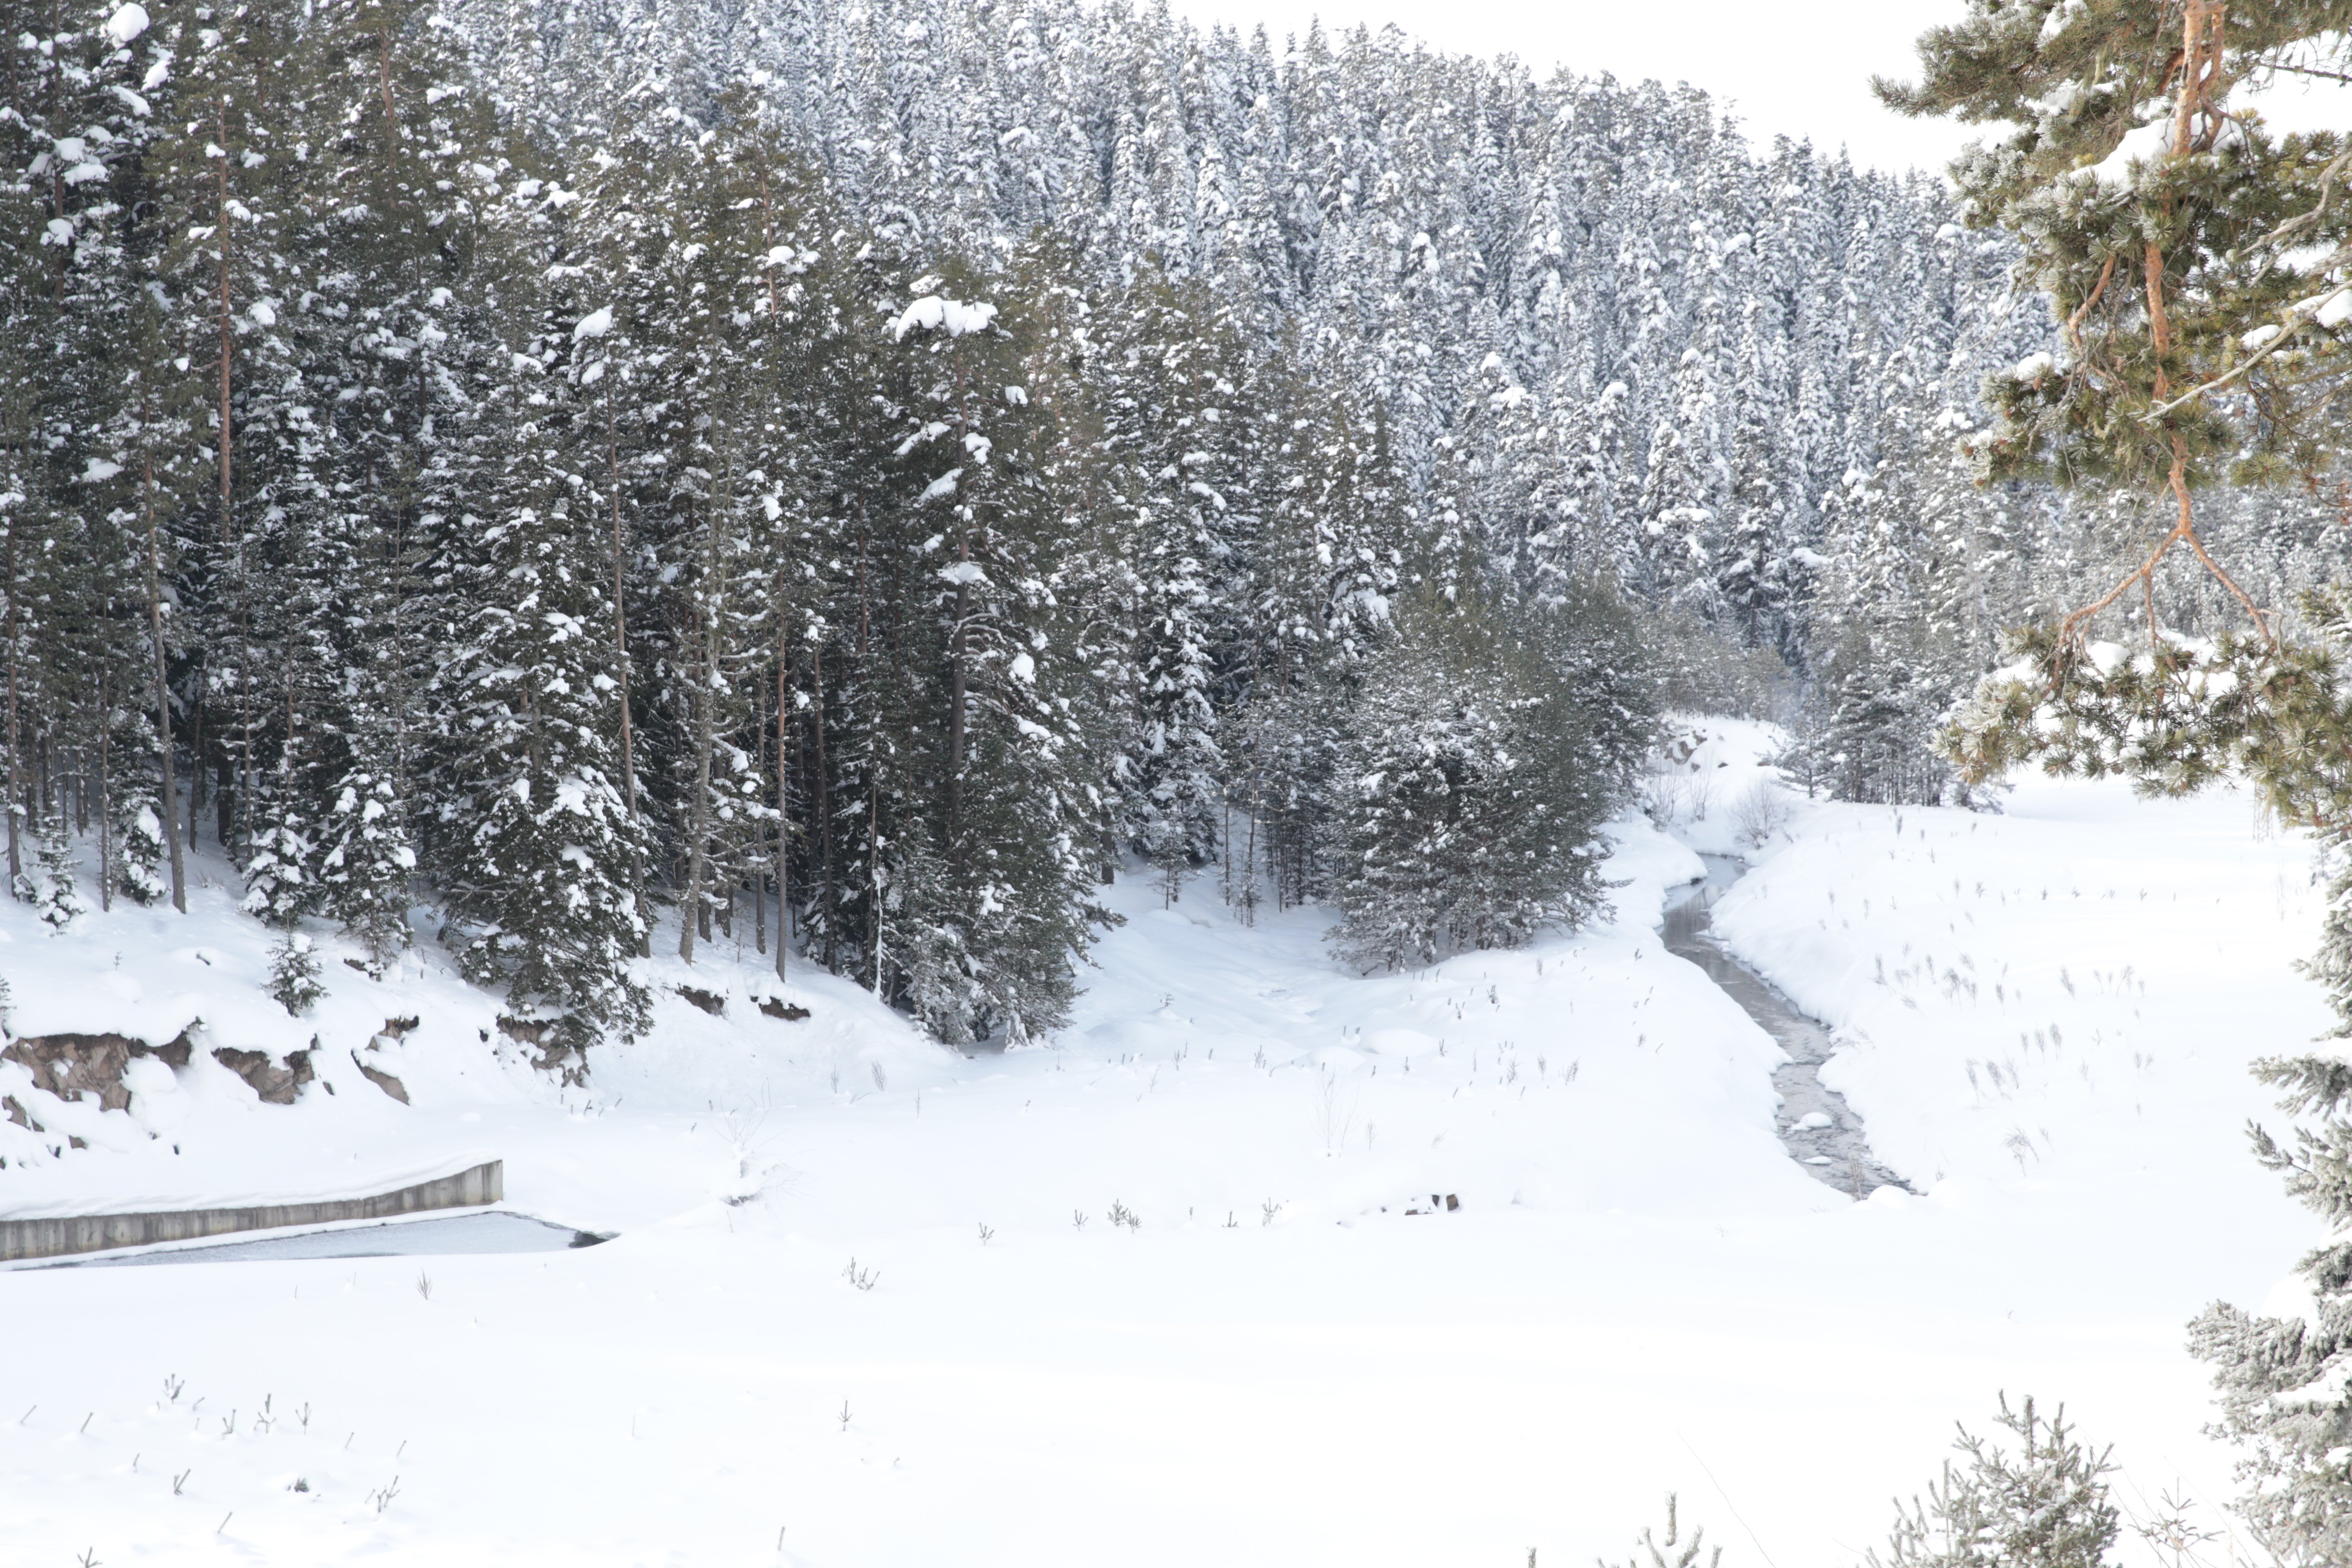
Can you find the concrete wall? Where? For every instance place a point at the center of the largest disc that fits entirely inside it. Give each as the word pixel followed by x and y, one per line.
pixel 485 1183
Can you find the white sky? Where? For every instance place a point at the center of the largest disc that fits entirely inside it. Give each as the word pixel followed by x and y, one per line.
pixel 1801 70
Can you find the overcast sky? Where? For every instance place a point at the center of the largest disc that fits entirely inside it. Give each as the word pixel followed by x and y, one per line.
pixel 1802 69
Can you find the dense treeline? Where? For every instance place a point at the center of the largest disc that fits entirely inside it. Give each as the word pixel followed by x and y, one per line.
pixel 553 469
pixel 419 507
pixel 1607 335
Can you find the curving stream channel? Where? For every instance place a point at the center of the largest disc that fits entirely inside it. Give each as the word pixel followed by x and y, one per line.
pixel 1820 1130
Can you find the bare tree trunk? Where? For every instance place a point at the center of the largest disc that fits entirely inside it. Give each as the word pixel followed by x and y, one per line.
pixel 692 915
pixel 226 322
pixel 105 816
pixel 824 819
pixel 759 872
pixel 14 805
pixel 874 869
pixel 227 317
pixel 784 799
pixel 171 801
pixel 955 709
pixel 621 670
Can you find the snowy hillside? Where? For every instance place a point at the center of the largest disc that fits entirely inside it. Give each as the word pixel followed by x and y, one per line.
pixel 851 1315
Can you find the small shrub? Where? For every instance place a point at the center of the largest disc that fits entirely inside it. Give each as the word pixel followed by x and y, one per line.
pixel 1762 812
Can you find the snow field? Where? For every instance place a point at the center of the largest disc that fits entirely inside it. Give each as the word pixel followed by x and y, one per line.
pixel 1641 1291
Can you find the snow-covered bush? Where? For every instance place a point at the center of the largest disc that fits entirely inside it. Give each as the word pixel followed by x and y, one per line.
pixel 140 854
pixel 137 860
pixel 1760 814
pixel 48 885
pixel 1672 786
pixel 294 973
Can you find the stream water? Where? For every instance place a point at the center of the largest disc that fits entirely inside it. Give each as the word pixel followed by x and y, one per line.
pixel 1820 1130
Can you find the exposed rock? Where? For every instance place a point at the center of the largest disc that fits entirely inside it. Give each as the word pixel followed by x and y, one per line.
pixel 382 1080
pixel 710 1002
pixel 398 1027
pixel 68 1066
pixel 777 1007
pixel 522 1031
pixel 19 1115
pixel 554 1056
pixel 276 1085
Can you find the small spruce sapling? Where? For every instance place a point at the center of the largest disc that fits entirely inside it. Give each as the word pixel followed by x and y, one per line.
pixel 50 887
pixel 1674 1552
pixel 294 973
pixel 2046 1506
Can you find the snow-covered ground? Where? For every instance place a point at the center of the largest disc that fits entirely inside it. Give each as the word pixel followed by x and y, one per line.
pixel 1278 1361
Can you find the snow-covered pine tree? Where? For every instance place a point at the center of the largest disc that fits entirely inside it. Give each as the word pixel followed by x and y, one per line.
pixel 530 839
pixel 1323 556
pixel 1010 907
pixel 1164 373
pixel 401 154
pixel 1469 797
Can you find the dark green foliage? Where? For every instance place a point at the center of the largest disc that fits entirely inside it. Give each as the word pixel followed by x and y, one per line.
pixel 1471 785
pixel 1869 729
pixel 2162 224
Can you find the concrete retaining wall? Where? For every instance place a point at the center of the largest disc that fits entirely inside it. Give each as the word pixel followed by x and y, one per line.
pixel 59 1238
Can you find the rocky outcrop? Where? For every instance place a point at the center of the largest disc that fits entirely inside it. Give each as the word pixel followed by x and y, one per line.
pixel 545 1036
pixel 276 1085
pixel 777 1007
pixel 71 1065
pixel 381 1079
pixel 710 1002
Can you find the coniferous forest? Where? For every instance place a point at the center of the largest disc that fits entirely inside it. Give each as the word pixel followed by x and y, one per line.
pixel 575 577
pixel 861 472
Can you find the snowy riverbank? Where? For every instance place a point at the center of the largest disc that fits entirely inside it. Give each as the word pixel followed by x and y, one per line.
pixel 1277 1362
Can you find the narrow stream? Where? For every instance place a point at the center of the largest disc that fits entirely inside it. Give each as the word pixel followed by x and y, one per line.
pixel 1822 1133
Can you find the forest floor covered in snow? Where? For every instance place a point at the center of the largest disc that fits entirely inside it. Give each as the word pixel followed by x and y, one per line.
pixel 1167 1290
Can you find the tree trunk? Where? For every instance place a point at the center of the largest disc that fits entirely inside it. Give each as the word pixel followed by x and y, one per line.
pixel 783 801
pixel 699 820
pixel 14 805
pixel 824 820
pixel 955 707
pixel 170 803
pixel 105 816
pixel 226 319
pixel 621 671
